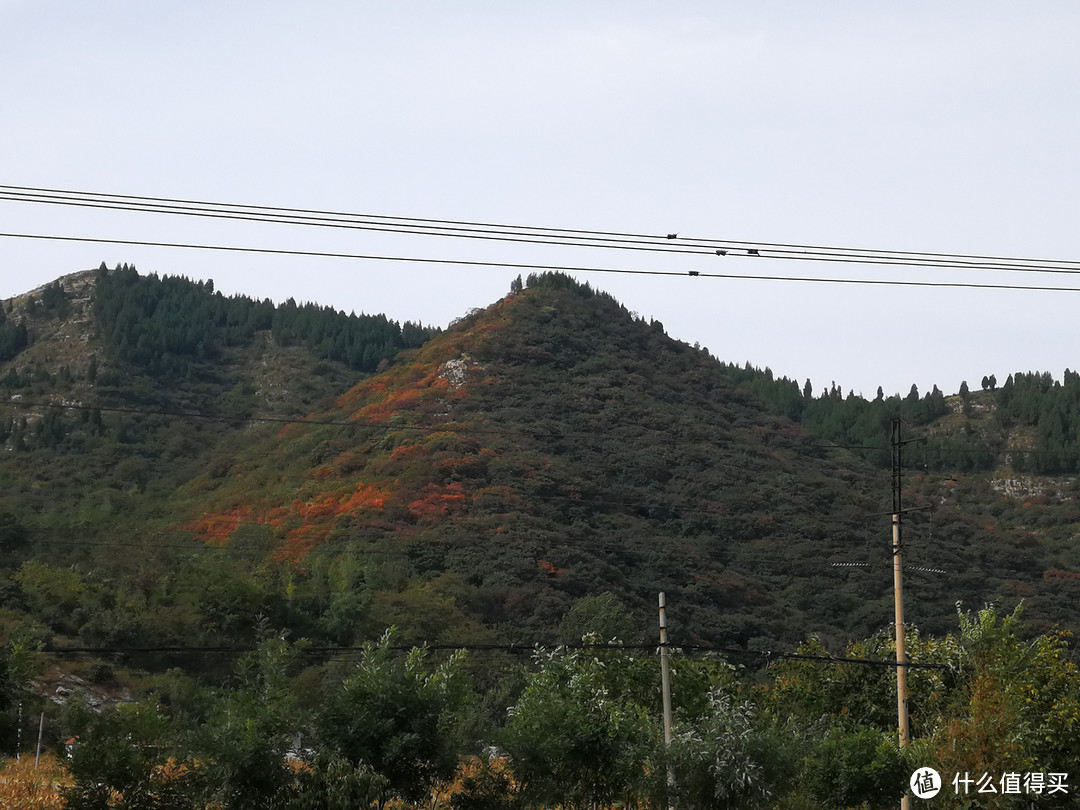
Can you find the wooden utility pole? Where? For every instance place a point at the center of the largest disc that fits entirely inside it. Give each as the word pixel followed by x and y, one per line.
pixel 898 599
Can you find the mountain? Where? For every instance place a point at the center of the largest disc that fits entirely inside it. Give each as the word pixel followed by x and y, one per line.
pixel 549 447
pixel 181 468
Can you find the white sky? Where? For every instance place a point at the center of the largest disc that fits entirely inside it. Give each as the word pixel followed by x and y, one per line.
pixel 947 127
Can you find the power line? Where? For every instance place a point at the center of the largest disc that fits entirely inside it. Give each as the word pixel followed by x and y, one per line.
pixel 450 427
pixel 740 565
pixel 302 216
pixel 454 427
pixel 735 563
pixel 564 237
pixel 197 542
pixel 668 241
pixel 338 255
pixel 479 647
pixel 560 267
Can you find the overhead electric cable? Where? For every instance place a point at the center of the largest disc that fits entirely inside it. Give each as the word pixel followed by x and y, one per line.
pixel 761 566
pixel 518 648
pixel 51 193
pixel 565 237
pixel 558 267
pixel 450 427
pixel 740 564
pixel 453 427
pixel 36 191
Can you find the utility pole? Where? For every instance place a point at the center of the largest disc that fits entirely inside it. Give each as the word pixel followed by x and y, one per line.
pixel 40 734
pixel 898 599
pixel 665 687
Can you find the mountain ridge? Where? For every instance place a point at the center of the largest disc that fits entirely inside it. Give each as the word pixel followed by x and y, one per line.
pixel 546 448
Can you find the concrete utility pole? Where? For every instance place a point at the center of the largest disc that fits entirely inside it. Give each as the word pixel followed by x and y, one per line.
pixel 898 600
pixel 665 673
pixel 665 687
pixel 40 734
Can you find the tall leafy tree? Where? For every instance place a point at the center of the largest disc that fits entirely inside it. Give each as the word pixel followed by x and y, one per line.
pixel 126 757
pixel 1018 706
pixel 728 757
pixel 249 731
pixel 398 716
pixel 583 733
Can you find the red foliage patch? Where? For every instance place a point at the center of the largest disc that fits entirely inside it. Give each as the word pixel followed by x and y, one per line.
pixel 298 542
pixel 324 506
pixel 219 526
pixel 550 569
pixel 466 465
pixel 402 400
pixel 330 505
pixel 437 501
pixel 376 413
pixel 358 392
pixel 366 496
pixel 303 523
pixel 406 451
pixel 1057 575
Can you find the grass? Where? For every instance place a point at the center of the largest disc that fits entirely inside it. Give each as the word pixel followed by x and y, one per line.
pixel 24 787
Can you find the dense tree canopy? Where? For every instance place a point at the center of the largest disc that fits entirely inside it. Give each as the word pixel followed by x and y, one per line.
pixel 163 324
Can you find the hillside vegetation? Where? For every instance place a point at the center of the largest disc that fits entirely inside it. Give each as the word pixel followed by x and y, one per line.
pixel 181 469
pixel 548 447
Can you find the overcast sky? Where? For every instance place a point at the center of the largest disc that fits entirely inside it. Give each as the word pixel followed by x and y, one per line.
pixel 929 126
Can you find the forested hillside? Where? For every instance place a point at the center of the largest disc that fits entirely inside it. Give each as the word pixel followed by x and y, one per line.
pixel 119 351
pixel 1031 422
pixel 186 472
pixel 161 325
pixel 548 447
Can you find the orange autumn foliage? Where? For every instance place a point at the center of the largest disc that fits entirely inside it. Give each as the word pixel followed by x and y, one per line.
pixel 305 523
pixel 376 414
pixel 407 451
pixel 299 541
pixel 438 501
pixel 467 465
pixel 366 496
pixel 218 526
pixel 550 569
pixel 322 473
pixel 402 400
pixel 358 392
pixel 493 779
pixel 332 505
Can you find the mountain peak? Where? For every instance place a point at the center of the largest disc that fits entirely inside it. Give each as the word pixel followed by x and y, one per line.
pixel 542 448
